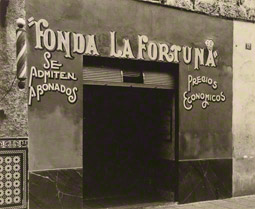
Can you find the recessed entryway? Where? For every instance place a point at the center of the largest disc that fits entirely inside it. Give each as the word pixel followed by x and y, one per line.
pixel 128 146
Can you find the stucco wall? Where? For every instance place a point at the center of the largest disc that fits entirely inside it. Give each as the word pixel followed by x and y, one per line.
pixel 56 126
pixel 14 121
pixel 240 9
pixel 243 109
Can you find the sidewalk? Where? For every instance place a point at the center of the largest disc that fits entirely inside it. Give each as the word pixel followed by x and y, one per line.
pixel 246 202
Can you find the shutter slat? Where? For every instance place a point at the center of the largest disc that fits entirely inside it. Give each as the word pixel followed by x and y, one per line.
pixel 131 73
pixel 159 78
pixel 107 74
pixel 102 74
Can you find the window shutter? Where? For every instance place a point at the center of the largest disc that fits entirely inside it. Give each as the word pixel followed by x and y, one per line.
pixel 159 78
pixel 102 74
pixel 128 73
pixel 131 73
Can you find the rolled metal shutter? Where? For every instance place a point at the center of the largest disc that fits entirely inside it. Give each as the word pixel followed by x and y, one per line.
pixel 159 79
pixel 105 75
pixel 129 73
pixel 102 74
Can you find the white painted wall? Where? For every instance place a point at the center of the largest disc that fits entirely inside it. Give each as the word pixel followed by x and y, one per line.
pixel 243 109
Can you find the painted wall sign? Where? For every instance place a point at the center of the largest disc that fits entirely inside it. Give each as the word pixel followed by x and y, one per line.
pixel 189 99
pixel 75 43
pixel 51 71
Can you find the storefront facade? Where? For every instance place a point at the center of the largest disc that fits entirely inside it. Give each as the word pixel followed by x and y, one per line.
pixel 129 103
pixel 126 102
pixel 193 50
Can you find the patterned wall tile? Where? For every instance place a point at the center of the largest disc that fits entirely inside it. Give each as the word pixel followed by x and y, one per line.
pixel 13 173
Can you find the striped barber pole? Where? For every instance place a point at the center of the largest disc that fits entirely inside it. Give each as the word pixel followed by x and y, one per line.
pixel 21 53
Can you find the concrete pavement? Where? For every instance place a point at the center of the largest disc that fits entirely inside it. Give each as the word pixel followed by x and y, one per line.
pixel 246 202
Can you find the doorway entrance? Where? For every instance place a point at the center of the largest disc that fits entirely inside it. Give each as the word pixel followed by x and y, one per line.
pixel 128 146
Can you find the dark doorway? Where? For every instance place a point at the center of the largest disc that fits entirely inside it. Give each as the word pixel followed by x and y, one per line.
pixel 124 132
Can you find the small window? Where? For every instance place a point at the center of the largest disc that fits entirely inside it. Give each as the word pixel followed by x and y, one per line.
pixel 132 77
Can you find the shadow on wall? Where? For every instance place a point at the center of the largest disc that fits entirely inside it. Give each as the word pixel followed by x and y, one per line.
pixel 3 10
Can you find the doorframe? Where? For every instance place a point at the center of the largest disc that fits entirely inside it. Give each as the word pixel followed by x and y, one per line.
pixel 175 116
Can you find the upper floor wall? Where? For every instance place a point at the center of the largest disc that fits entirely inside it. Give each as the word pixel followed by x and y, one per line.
pixel 237 9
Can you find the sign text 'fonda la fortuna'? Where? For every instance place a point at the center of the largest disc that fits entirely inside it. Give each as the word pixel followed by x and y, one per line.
pixel 76 43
